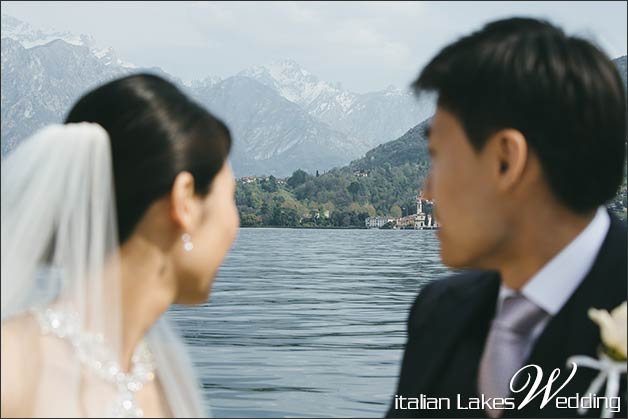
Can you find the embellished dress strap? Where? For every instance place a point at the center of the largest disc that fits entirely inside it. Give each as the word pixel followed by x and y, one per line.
pixel 93 353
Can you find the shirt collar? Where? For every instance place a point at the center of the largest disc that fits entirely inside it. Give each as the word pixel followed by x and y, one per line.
pixel 553 284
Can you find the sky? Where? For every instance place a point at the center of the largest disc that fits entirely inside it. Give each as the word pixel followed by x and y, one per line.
pixel 364 46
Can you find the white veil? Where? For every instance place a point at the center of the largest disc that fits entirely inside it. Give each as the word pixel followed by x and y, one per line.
pixel 60 277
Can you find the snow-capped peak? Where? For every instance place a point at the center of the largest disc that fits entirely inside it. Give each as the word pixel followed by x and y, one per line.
pixel 290 70
pixel 205 83
pixel 291 80
pixel 392 90
pixel 108 57
pixel 30 37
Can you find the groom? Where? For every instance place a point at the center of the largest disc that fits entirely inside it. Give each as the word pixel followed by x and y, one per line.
pixel 527 145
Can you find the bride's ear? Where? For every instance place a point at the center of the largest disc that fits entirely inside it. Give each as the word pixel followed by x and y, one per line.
pixel 182 201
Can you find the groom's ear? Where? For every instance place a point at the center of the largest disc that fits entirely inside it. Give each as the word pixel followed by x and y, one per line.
pixel 182 201
pixel 510 156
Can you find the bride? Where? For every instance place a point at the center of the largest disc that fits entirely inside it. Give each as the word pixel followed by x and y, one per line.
pixel 107 221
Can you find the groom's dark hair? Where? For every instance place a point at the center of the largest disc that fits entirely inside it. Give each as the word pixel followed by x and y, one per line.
pixel 561 92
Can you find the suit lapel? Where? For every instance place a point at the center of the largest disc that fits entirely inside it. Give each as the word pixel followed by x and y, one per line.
pixel 469 307
pixel 571 332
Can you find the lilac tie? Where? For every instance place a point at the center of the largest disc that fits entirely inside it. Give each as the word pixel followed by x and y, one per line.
pixel 506 346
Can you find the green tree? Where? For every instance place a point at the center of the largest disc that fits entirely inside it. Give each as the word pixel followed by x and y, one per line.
pixel 298 178
pixel 395 211
pixel 270 184
pixel 285 217
pixel 354 188
pixel 250 220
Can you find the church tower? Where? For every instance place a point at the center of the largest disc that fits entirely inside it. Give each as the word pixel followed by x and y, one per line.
pixel 419 223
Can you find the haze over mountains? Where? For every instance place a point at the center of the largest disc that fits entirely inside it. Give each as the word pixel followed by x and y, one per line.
pixel 282 117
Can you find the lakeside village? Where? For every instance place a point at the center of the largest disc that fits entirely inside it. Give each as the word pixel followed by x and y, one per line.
pixel 421 220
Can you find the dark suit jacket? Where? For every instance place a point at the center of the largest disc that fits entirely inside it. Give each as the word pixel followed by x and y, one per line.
pixel 449 323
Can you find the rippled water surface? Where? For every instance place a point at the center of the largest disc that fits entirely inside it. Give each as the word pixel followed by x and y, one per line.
pixel 308 322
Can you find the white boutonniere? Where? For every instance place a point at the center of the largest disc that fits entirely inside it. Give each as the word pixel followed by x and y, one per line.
pixel 611 360
pixel 613 330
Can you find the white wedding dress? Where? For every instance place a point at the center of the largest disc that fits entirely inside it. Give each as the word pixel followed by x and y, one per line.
pixel 61 305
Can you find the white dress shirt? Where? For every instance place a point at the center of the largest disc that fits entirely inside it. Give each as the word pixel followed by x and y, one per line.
pixel 556 281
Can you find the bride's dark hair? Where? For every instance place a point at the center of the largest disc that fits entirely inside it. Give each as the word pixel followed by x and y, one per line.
pixel 156 132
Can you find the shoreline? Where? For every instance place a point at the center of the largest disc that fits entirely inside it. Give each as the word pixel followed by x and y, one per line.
pixel 339 228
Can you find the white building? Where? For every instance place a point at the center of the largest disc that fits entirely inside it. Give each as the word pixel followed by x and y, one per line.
pixel 423 220
pixel 377 222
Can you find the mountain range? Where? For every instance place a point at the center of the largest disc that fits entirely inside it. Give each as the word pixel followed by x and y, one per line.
pixel 281 116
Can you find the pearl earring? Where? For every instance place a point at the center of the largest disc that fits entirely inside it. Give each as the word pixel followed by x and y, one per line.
pixel 187 242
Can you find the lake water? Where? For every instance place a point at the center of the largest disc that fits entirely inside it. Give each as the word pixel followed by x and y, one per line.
pixel 308 322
